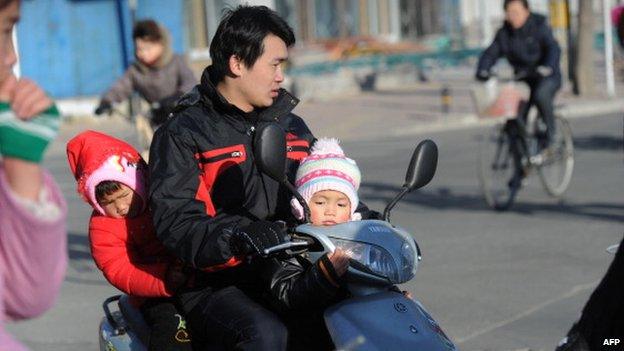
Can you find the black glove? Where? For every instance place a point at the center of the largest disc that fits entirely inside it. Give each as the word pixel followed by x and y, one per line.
pixel 104 107
pixel 482 75
pixel 256 237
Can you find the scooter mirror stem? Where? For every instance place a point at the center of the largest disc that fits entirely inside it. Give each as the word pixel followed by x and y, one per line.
pixel 390 206
pixel 306 208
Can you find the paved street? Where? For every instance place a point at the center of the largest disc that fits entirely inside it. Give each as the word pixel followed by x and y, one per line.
pixel 494 281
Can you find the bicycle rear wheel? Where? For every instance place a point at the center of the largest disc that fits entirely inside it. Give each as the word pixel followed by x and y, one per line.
pixel 556 169
pixel 499 177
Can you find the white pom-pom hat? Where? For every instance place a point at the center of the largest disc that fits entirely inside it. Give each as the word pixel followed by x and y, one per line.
pixel 327 168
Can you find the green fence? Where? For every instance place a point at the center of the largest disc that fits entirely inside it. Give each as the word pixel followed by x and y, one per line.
pixel 448 57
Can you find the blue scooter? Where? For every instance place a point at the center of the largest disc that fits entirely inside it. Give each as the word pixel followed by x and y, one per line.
pixel 375 316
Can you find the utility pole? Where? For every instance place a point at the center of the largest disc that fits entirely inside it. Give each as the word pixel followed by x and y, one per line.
pixel 608 38
pixel 571 50
pixel 584 49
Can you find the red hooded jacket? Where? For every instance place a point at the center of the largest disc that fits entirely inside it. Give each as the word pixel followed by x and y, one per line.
pixel 126 250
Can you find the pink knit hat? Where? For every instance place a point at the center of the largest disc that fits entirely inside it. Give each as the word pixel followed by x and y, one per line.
pixel 96 157
pixel 327 168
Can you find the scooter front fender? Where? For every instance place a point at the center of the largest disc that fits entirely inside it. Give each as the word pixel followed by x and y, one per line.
pixel 384 321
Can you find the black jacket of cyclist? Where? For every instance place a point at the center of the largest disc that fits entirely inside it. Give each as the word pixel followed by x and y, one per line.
pixel 527 42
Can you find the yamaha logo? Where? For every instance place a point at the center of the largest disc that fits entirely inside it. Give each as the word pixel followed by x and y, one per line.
pixel 400 307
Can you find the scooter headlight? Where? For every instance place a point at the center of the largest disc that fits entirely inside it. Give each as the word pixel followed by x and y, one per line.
pixel 375 258
pixel 410 255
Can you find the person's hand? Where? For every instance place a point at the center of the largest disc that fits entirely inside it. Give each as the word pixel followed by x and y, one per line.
pixel 340 260
pixel 544 71
pixel 482 75
pixel 256 237
pixel 175 276
pixel 104 107
pixel 26 98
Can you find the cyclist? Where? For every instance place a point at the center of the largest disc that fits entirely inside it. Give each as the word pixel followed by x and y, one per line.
pixel 527 42
pixel 158 75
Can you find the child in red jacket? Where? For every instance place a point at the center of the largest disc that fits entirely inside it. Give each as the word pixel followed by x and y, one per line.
pixel 112 177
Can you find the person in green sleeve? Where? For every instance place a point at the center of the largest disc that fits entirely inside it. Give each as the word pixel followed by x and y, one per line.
pixel 33 212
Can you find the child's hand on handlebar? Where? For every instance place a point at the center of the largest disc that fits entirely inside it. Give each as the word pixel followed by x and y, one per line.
pixel 104 107
pixel 340 260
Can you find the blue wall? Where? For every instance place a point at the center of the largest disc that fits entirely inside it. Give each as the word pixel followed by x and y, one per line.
pixel 74 47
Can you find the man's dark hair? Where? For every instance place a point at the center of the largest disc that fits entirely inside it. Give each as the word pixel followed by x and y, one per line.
pixel 106 187
pixel 524 3
pixel 241 33
pixel 147 30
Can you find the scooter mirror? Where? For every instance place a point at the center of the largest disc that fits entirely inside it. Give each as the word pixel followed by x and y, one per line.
pixel 421 169
pixel 422 166
pixel 269 146
pixel 270 151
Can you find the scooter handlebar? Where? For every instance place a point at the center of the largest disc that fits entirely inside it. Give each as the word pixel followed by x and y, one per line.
pixel 285 246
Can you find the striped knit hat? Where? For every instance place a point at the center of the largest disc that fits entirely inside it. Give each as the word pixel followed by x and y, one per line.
pixel 327 168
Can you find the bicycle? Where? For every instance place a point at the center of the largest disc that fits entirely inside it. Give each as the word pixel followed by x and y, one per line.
pixel 515 148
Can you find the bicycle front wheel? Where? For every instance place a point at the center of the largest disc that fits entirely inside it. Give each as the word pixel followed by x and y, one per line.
pixel 499 178
pixel 556 169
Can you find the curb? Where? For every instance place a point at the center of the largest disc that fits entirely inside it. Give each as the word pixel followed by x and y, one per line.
pixel 472 120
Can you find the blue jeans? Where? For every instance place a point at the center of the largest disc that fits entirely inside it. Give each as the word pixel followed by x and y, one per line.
pixel 542 96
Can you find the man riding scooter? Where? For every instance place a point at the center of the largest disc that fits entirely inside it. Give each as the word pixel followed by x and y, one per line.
pixel 207 194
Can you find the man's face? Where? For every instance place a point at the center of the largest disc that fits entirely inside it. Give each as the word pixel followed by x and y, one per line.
pixel 8 17
pixel 148 52
pixel 516 14
pixel 259 84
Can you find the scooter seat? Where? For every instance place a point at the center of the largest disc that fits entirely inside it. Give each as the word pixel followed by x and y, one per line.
pixel 134 318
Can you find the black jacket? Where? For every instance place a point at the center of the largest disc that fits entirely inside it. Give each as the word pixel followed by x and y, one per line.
pixel 525 48
pixel 205 184
pixel 204 181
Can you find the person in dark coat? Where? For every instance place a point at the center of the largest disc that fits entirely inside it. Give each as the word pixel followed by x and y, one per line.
pixel 212 207
pixel 602 317
pixel 527 42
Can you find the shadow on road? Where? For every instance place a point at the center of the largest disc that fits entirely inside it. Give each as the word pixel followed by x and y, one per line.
pixel 444 198
pixel 599 143
pixel 78 247
pixel 82 269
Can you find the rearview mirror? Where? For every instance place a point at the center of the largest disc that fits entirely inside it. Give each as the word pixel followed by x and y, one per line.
pixel 420 171
pixel 270 151
pixel 422 166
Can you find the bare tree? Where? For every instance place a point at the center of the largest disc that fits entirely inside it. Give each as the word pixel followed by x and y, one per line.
pixel 584 65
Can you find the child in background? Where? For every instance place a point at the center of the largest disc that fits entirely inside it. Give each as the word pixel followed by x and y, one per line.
pixel 158 75
pixel 112 178
pixel 33 212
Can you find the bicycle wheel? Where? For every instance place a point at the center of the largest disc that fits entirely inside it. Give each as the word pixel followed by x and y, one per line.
pixel 556 169
pixel 499 178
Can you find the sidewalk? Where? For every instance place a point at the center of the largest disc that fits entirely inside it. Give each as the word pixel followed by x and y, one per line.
pixel 407 110
pixel 418 109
